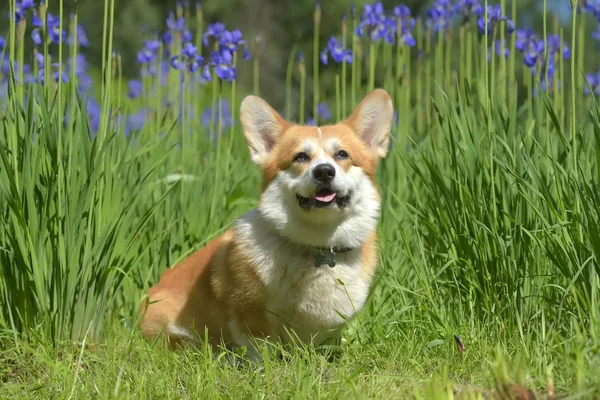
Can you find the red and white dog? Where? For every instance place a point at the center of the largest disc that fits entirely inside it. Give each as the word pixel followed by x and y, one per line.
pixel 304 260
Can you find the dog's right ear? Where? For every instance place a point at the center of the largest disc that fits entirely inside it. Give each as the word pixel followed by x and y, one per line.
pixel 262 127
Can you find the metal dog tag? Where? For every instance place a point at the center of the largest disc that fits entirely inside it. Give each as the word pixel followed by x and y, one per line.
pixel 326 257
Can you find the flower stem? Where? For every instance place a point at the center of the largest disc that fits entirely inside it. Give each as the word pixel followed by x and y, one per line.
pixel 288 83
pixel 256 76
pixel 337 98
pixel 317 24
pixel 302 70
pixel 356 60
pixel 372 61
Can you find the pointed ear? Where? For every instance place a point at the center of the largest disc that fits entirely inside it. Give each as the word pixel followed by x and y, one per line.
pixel 372 121
pixel 262 127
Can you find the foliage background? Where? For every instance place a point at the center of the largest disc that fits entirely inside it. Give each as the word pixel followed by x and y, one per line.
pixel 279 24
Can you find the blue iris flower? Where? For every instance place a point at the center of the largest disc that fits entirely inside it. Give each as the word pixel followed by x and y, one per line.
pixel 214 30
pixel 53 28
pixel 232 41
pixel 82 38
pixel 222 61
pixel 406 24
pixel 440 15
pixel 148 52
pixel 21 9
pixel 213 112
pixel 373 21
pixel 497 48
pixel 535 50
pixel 378 26
pixel 338 52
pixel 468 7
pixel 175 24
pixel 135 89
pixel 54 74
pixel 593 7
pixel 323 112
pixel 593 79
pixel 188 59
pixel 494 17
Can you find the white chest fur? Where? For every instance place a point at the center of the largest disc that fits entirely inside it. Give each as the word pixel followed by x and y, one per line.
pixel 313 301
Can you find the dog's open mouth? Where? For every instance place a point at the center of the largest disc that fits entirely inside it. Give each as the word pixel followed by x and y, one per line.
pixel 323 198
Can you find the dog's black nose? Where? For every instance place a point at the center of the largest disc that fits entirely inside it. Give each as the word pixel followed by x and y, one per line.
pixel 324 173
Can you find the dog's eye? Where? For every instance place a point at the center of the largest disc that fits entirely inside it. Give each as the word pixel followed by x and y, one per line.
pixel 341 155
pixel 301 157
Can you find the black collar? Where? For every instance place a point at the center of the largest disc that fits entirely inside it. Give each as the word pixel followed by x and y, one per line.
pixel 326 255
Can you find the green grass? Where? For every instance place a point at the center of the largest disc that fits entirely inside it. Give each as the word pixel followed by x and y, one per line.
pixel 489 231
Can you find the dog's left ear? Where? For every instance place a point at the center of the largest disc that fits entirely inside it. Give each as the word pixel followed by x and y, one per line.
pixel 372 121
pixel 262 127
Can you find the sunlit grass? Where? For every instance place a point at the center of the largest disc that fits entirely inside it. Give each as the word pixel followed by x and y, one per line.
pixel 489 228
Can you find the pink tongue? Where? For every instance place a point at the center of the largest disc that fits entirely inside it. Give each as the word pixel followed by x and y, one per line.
pixel 325 198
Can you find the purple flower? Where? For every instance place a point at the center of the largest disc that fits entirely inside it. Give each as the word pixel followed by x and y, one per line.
pixel 135 122
pixel 189 50
pixel 210 112
pixel 21 9
pixel 555 46
pixel 494 17
pixel 144 56
pixel 232 40
pixel 93 111
pixel 53 27
pixel 440 15
pixel 535 50
pixel 5 70
pixel 188 59
pixel 152 45
pixel 82 38
pixel 593 7
pixel 468 7
pixel 195 63
pixel 36 36
pixel 222 62
pixel 524 37
pixel 135 89
pixel 377 25
pixel 55 75
pixel 167 38
pixel 206 73
pixel 337 51
pixel 323 111
pixel 406 23
pixel 187 36
pixel 374 22
pixel 26 4
pixel 2 44
pixel 593 79
pixel 402 11
pixel 39 59
pixel 497 48
pixel 214 30
pixel 175 24
pixel 596 33
pixel 36 20
pixel 148 52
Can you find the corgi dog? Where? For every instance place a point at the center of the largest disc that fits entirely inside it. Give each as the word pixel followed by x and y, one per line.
pixel 301 264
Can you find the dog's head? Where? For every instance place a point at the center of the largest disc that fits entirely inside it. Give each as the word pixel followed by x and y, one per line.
pixel 319 182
